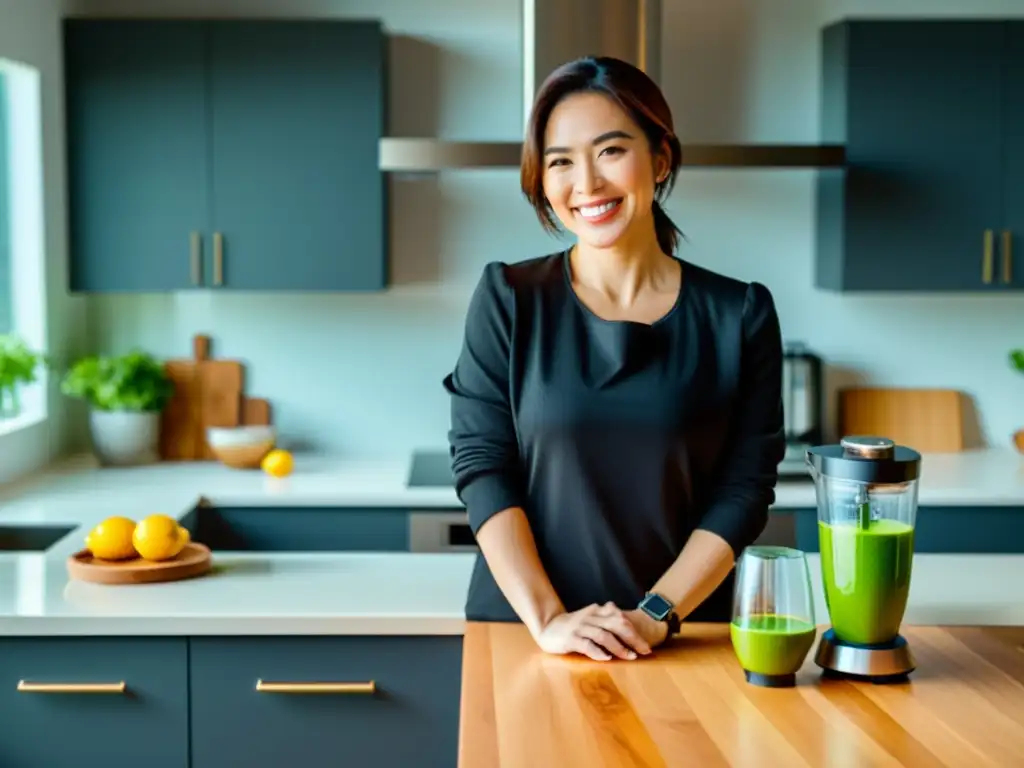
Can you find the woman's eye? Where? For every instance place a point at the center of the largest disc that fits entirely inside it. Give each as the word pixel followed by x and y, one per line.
pixel 558 161
pixel 612 150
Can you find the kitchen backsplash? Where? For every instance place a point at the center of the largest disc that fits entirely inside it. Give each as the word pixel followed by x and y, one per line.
pixel 361 374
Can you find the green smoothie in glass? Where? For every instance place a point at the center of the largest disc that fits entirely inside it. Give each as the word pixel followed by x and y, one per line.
pixel 866 574
pixel 771 644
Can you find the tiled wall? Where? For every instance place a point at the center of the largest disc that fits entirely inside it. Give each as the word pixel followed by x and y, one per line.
pixel 361 374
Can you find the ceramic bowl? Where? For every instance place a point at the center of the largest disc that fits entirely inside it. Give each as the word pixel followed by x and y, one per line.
pixel 241 447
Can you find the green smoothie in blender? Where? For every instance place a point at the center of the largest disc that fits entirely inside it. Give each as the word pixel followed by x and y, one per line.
pixel 866 573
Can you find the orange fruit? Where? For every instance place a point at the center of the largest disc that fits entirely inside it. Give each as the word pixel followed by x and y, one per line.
pixel 278 463
pixel 112 539
pixel 158 537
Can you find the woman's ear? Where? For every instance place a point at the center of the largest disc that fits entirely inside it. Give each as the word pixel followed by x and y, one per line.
pixel 661 162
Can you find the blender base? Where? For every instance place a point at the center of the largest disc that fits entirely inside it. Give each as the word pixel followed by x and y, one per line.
pixel 890 662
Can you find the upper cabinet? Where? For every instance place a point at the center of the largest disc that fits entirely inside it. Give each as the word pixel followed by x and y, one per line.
pixel 231 155
pixel 932 116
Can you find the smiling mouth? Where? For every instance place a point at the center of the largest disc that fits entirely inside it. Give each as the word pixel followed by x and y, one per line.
pixel 600 211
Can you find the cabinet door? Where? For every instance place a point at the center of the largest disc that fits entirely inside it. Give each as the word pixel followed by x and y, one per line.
pixel 1010 272
pixel 48 727
pixel 412 718
pixel 297 113
pixel 922 117
pixel 138 176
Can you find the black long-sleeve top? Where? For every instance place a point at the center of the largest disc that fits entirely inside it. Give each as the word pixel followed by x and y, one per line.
pixel 617 438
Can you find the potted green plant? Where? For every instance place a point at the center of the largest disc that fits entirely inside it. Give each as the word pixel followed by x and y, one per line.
pixel 19 366
pixel 126 395
pixel 1017 361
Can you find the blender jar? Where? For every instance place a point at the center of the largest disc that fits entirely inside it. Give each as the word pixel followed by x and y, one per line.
pixel 866 489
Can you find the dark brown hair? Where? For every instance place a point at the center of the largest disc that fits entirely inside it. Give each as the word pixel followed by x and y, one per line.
pixel 643 101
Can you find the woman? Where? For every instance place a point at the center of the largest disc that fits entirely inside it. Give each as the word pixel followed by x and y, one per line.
pixel 616 421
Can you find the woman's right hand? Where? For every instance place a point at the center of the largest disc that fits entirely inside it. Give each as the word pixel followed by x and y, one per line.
pixel 601 632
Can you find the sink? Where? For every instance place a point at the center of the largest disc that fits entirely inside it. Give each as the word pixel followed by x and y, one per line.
pixel 31 538
pixel 301 529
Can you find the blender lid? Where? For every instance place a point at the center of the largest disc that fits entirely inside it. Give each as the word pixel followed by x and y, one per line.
pixel 866 459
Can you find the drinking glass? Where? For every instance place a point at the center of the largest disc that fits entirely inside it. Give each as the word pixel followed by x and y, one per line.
pixel 773 626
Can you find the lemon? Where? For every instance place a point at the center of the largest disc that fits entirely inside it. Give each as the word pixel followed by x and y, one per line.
pixel 278 463
pixel 158 537
pixel 185 535
pixel 112 539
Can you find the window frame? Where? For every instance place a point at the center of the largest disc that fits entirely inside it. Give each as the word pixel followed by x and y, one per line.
pixel 26 228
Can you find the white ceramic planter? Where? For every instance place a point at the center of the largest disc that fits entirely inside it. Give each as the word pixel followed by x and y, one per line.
pixel 125 438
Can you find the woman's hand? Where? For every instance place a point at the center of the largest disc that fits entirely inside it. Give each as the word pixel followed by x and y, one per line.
pixel 601 632
pixel 653 632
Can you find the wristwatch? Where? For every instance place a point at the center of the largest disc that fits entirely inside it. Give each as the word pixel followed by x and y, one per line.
pixel 660 608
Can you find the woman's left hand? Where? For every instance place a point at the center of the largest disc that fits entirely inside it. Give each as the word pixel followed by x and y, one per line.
pixel 653 631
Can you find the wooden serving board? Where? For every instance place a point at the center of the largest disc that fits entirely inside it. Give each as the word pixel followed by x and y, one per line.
pixel 194 560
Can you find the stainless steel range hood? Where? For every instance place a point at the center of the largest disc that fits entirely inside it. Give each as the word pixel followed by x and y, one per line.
pixel 556 31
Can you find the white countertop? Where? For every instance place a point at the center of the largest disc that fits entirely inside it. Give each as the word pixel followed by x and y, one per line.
pixel 381 593
pixel 987 477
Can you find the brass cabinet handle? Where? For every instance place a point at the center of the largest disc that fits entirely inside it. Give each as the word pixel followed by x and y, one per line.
pixel 27 687
pixel 360 688
pixel 218 258
pixel 986 264
pixel 1007 256
pixel 197 258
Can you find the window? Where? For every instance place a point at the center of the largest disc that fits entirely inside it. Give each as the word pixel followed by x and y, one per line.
pixel 22 236
pixel 6 305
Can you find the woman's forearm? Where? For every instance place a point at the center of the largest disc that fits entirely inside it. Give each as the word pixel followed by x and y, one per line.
pixel 508 546
pixel 700 568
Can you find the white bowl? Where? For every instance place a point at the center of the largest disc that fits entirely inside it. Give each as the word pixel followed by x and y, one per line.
pixel 237 437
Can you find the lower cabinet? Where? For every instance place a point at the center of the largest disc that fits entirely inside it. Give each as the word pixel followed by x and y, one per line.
pixel 945 530
pixel 215 702
pixel 325 701
pixel 77 701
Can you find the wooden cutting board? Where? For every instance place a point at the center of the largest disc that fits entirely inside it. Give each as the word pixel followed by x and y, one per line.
pixel 221 383
pixel 208 393
pixel 930 420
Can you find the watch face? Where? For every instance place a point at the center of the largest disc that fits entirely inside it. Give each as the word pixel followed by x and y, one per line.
pixel 656 606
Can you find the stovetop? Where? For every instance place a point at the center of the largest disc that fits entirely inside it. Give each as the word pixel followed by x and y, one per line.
pixel 431 469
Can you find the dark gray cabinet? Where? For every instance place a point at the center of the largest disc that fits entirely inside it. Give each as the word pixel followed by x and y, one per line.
pixel 304 529
pixel 927 200
pixel 325 701
pixel 944 530
pixel 223 154
pixel 49 720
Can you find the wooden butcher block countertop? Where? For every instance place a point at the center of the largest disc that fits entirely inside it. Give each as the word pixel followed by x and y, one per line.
pixel 689 705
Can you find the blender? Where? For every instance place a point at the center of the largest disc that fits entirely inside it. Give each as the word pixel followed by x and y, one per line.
pixel 866 489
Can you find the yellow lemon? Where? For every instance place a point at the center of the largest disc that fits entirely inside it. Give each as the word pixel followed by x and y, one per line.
pixel 278 463
pixel 158 537
pixel 112 539
pixel 185 535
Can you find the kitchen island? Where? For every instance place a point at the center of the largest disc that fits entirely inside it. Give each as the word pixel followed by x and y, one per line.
pixel 689 705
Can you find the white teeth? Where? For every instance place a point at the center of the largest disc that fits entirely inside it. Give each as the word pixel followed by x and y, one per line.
pixel 591 211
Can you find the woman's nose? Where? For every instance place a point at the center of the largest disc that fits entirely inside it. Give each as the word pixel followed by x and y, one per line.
pixel 587 179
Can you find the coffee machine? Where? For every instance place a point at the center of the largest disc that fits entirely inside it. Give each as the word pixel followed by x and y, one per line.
pixel 866 491
pixel 802 403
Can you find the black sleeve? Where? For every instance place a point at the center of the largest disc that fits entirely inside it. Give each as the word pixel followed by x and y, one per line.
pixel 482 438
pixel 738 511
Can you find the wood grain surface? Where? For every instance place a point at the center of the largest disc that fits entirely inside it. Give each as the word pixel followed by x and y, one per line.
pixel 689 705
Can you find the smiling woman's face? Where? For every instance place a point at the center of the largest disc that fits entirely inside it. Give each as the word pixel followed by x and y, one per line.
pixel 599 173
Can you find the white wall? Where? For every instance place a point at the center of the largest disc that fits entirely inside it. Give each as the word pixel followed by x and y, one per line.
pixel 30 35
pixel 361 374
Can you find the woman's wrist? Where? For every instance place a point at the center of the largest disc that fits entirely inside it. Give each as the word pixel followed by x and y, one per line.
pixel 544 612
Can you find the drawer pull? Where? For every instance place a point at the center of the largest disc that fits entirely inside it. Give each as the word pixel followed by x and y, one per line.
pixel 361 688
pixel 26 687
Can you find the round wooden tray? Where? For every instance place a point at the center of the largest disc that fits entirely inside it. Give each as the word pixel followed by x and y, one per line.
pixel 193 560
